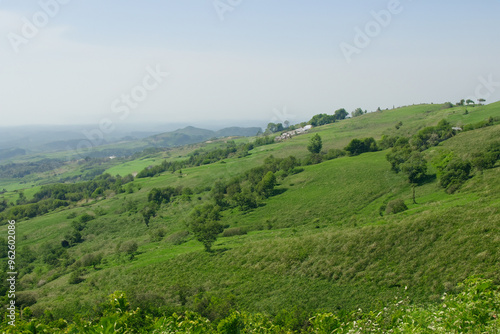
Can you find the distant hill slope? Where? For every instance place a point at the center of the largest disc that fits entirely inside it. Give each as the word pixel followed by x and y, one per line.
pixel 237 131
pixel 40 141
pixel 191 135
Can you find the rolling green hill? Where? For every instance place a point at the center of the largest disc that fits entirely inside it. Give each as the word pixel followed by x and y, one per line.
pixel 322 242
pixel 191 135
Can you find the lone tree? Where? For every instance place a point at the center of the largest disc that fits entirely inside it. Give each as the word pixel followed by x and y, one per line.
pixel 266 185
pixel 315 144
pixel 204 224
pixel 148 212
pixel 415 169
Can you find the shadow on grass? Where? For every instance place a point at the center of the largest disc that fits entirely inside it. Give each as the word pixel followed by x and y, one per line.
pixel 219 251
pixel 428 179
pixel 279 191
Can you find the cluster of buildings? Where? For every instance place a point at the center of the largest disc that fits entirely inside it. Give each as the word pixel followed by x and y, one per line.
pixel 291 133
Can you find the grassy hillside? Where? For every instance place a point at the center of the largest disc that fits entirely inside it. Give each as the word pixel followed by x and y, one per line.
pixel 320 243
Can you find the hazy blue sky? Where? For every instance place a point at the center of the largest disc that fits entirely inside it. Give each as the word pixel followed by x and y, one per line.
pixel 266 60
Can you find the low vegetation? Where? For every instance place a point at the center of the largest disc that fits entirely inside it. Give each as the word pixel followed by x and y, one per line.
pixel 474 309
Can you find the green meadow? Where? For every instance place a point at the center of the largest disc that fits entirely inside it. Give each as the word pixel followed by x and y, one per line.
pixel 321 243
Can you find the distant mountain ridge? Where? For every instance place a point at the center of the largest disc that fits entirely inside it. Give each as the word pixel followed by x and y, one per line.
pixel 192 135
pixel 24 141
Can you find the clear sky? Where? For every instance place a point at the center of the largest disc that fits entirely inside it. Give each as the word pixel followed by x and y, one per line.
pixel 85 61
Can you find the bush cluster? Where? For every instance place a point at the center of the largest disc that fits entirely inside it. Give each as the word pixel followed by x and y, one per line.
pixel 395 206
pixel 322 119
pixel 358 146
pixel 201 157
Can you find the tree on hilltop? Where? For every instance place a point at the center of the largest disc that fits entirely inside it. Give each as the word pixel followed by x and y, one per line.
pixel 341 114
pixel 357 112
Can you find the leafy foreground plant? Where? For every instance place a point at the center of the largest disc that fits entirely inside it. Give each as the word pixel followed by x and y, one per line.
pixel 474 310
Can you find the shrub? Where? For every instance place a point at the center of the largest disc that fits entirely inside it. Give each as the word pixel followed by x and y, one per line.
pixel 483 160
pixel 245 200
pixel 494 149
pixel 395 206
pixel 234 231
pixel 25 299
pixel 75 277
pixel 74 237
pixel 178 238
pixel 156 234
pixel 387 141
pixel 234 323
pixel 78 225
pixel 91 260
pixel 129 247
pixel 447 105
pixel 313 159
pixel 455 174
pixel 399 154
pixel 334 154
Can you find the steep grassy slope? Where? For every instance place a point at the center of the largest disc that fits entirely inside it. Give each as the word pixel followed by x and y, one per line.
pixel 318 243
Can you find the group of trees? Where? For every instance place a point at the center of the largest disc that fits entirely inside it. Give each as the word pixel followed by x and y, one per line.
pixel 358 112
pixel 455 171
pixel 20 170
pixel 159 196
pixel 486 158
pixel 74 236
pixel 406 156
pixel 408 160
pixel 82 190
pixel 164 195
pixel 53 196
pixel 482 124
pixel 355 147
pixel 201 157
pixel 432 135
pixel 275 127
pixel 32 210
pixel 358 146
pixel 3 205
pixel 403 147
pixel 243 192
pixel 322 119
pixel 454 174
pixel 470 102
